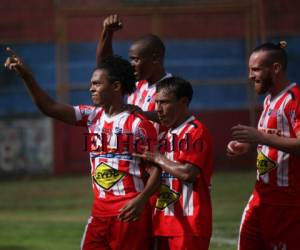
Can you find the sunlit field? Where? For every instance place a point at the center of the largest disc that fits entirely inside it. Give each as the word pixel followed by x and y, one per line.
pixel 50 213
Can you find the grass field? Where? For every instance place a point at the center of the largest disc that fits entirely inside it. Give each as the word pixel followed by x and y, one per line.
pixel 50 213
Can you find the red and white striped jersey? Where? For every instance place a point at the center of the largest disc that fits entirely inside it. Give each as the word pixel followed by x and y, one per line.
pixel 278 172
pixel 144 96
pixel 185 207
pixel 117 176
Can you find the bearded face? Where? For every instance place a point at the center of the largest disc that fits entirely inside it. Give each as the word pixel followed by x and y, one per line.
pixel 260 72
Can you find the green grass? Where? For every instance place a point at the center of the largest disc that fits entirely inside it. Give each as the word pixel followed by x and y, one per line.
pixel 50 213
pixel 230 193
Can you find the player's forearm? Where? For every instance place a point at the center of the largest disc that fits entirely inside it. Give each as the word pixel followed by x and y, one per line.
pixel 152 184
pixel 288 145
pixel 39 96
pixel 45 103
pixel 104 46
pixel 178 170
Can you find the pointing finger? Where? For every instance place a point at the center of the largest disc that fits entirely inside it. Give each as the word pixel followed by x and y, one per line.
pixel 9 50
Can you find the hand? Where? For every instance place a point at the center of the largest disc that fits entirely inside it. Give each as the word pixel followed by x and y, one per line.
pixel 134 108
pixel 132 210
pixel 153 157
pixel 235 148
pixel 112 23
pixel 246 134
pixel 14 62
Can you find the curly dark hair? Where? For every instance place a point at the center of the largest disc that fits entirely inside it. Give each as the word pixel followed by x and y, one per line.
pixel 119 69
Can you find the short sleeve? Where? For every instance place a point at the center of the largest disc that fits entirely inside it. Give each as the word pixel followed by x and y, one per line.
pixel 199 149
pixel 82 113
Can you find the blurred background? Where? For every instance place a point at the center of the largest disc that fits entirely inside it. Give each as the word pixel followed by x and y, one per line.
pixel 207 41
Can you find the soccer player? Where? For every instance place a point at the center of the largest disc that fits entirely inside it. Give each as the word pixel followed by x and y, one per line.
pixel 147 58
pixel 183 214
pixel 271 219
pixel 120 208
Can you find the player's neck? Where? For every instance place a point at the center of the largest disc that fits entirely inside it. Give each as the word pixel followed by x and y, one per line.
pixel 180 120
pixel 115 108
pixel 279 86
pixel 158 75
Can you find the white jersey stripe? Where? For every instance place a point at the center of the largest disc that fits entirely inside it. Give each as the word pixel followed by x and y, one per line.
pixel 187 195
pixel 283 125
pixel 85 231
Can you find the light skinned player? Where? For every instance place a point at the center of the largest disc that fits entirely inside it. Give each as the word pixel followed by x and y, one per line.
pixel 271 219
pixel 121 193
pixel 183 214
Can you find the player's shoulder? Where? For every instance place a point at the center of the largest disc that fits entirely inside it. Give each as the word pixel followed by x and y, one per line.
pixel 197 127
pixel 195 123
pixel 294 92
pixel 141 125
pixel 139 118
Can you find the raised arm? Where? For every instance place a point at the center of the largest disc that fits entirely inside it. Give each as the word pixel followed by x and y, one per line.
pixel 42 100
pixel 104 47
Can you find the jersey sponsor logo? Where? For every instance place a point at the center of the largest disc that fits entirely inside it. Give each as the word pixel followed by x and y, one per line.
pixel 264 164
pixel 166 197
pixel 106 176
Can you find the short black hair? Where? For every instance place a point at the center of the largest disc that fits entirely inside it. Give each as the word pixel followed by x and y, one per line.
pixel 179 86
pixel 119 69
pixel 152 44
pixel 277 52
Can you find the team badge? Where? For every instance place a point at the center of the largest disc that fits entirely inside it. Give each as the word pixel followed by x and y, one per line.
pixel 264 164
pixel 106 176
pixel 166 197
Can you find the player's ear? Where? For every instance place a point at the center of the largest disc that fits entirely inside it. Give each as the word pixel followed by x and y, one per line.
pixel 277 67
pixel 184 100
pixel 155 58
pixel 117 86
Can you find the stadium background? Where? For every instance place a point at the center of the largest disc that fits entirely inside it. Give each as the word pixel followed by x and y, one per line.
pixel 207 42
pixel 43 204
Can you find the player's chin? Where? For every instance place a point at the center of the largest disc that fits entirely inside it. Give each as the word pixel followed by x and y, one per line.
pixel 164 122
pixel 97 103
pixel 259 88
pixel 137 76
